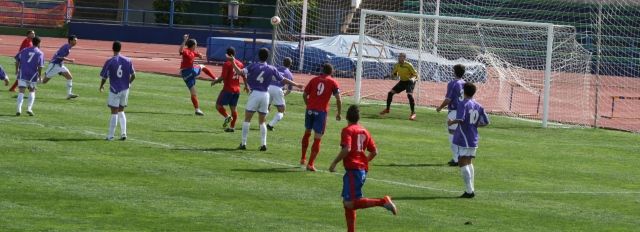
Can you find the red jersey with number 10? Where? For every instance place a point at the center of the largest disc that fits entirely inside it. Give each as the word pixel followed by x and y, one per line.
pixel 319 91
pixel 357 139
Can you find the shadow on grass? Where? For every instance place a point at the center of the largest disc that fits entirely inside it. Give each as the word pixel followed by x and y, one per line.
pixel 268 170
pixel 68 139
pixel 151 112
pixel 410 165
pixel 8 115
pixel 421 198
pixel 185 131
pixel 214 149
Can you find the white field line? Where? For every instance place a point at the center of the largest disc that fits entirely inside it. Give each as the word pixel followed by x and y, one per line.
pixel 392 182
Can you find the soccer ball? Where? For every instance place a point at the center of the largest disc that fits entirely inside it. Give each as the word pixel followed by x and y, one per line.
pixel 275 20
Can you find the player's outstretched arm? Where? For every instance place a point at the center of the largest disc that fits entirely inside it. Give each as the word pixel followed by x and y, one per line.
pixel 343 153
pixel 185 37
pixel 290 82
pixel 338 106
pixel 304 97
pixel 444 103
pixel 102 81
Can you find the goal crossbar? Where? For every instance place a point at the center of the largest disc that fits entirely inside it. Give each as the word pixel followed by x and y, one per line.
pixel 548 56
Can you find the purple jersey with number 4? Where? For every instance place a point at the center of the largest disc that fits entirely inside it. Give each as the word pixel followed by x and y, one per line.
pixel 30 59
pixel 62 52
pixel 455 93
pixel 118 69
pixel 260 75
pixel 284 71
pixel 471 114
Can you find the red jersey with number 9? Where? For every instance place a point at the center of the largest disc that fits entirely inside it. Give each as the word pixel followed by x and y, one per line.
pixel 357 139
pixel 319 91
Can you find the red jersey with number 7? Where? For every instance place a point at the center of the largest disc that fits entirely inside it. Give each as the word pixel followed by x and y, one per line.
pixel 358 140
pixel 319 91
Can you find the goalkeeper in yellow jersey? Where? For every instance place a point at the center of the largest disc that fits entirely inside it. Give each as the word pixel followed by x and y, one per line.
pixel 408 76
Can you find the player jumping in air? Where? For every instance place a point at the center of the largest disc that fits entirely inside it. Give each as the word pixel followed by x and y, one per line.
pixel 56 65
pixel 259 76
pixel 120 72
pixel 316 96
pixel 190 71
pixel 25 44
pixel 469 115
pixel 355 140
pixel 30 62
pixel 453 96
pixel 230 91
pixel 277 94
pixel 407 74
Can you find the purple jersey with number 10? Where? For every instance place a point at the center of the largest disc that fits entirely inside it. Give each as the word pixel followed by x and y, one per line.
pixel 455 93
pixel 259 76
pixel 472 114
pixel 30 59
pixel 118 69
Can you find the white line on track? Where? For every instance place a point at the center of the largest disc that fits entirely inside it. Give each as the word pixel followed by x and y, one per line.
pixel 392 182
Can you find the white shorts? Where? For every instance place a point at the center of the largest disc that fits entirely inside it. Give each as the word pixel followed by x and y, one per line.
pixel 118 99
pixel 466 151
pixel 452 116
pixel 54 69
pixel 276 96
pixel 258 101
pixel 27 84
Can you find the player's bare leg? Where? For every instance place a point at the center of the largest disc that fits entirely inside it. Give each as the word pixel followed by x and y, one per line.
pixel 69 78
pixel 350 208
pixel 194 100
pixel 466 169
pixel 245 129
pixel 262 118
pixel 315 150
pixel 276 118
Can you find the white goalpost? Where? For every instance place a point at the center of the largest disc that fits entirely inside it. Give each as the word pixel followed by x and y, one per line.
pixel 502 57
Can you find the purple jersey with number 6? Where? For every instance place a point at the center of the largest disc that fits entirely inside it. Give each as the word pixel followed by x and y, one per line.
pixel 455 93
pixel 30 59
pixel 118 69
pixel 259 76
pixel 472 114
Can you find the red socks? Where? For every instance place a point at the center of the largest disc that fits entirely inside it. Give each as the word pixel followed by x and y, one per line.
pixel 222 111
pixel 363 203
pixel 350 215
pixel 305 144
pixel 234 117
pixel 315 149
pixel 194 100
pixel 208 72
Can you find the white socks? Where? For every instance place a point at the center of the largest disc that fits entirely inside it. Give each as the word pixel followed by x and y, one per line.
pixel 263 134
pixel 123 123
pixel 20 100
pixel 245 132
pixel 112 125
pixel 467 176
pixel 32 99
pixel 69 87
pixel 454 149
pixel 276 119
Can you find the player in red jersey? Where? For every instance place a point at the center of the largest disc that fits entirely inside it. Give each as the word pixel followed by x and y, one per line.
pixel 190 71
pixel 230 91
pixel 355 140
pixel 316 96
pixel 26 43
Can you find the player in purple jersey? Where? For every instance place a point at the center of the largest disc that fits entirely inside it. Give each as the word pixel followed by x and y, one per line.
pixel 30 62
pixel 259 77
pixel 470 115
pixel 277 94
pixel 56 65
pixel 453 96
pixel 3 76
pixel 120 72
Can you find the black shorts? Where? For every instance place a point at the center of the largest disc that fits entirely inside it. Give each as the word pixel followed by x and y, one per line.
pixel 404 85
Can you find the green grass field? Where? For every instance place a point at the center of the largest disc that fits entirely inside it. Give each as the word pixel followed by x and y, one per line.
pixel 179 172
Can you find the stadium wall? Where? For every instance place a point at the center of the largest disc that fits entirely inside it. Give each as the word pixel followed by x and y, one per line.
pixel 157 34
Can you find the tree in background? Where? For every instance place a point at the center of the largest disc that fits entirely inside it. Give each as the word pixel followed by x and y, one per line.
pixel 165 5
